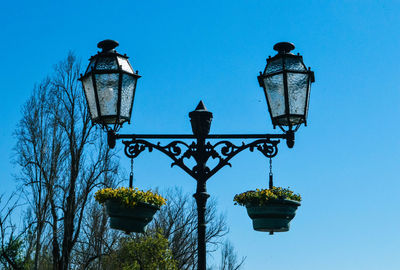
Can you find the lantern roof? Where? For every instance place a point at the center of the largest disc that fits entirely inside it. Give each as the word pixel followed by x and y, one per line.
pixel 107 45
pixel 284 47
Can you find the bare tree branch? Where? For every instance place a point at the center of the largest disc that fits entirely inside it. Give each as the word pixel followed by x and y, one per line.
pixel 62 159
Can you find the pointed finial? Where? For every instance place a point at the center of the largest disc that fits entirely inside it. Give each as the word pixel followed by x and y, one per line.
pixel 201 106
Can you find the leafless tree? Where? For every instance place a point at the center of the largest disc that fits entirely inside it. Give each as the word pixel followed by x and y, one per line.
pixel 40 155
pixel 229 260
pixel 178 222
pixel 63 157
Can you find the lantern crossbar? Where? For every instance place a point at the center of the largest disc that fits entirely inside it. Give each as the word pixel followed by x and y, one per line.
pixel 286 71
pixel 210 136
pixel 108 71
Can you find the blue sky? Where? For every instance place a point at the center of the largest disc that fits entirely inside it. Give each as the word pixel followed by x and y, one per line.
pixel 345 163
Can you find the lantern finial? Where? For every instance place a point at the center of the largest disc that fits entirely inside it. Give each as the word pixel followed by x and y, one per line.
pixel 284 47
pixel 107 45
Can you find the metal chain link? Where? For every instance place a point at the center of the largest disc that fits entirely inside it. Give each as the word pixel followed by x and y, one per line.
pixel 271 176
pixel 271 182
pixel 131 174
pixel 270 166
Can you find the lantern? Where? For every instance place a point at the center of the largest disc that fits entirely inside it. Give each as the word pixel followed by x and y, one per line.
pixel 286 82
pixel 109 84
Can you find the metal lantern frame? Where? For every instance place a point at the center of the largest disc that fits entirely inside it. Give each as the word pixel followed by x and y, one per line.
pixel 202 148
pixel 92 70
pixel 284 49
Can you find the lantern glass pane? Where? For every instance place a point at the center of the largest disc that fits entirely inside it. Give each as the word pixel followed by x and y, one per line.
pixel 275 94
pixel 274 66
pixel 294 63
pixel 107 91
pixel 128 92
pixel 123 62
pixel 297 90
pixel 107 63
pixel 90 96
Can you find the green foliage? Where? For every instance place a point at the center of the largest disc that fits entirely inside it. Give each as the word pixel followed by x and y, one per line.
pixel 11 255
pixel 129 196
pixel 263 196
pixel 142 252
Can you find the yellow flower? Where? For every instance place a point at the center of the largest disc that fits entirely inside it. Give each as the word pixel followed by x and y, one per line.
pixel 129 196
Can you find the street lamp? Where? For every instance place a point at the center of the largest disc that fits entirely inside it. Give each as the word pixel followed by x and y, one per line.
pixel 286 82
pixel 109 84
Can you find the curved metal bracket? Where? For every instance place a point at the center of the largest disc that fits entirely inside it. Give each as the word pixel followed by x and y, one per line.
pixel 134 148
pixel 201 152
pixel 267 147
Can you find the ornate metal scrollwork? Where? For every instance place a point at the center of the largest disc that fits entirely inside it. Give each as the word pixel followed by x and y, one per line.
pixel 223 151
pixel 267 147
pixel 173 148
pixel 134 148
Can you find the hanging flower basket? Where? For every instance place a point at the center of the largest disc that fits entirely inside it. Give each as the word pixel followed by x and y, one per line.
pixel 270 209
pixel 129 209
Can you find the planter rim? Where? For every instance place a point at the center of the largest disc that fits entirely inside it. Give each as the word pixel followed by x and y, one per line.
pixel 148 205
pixel 272 202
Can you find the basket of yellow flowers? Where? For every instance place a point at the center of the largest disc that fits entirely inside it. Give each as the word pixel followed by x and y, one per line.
pixel 129 209
pixel 270 209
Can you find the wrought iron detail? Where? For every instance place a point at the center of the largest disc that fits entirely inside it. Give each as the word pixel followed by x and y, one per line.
pixel 269 150
pixel 201 152
pixel 267 147
pixel 134 148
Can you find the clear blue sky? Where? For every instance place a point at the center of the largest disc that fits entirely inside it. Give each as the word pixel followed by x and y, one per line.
pixel 345 163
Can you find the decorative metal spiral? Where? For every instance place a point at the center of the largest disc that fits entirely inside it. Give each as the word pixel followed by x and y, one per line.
pixel 173 147
pixel 268 149
pixel 223 151
pixel 135 148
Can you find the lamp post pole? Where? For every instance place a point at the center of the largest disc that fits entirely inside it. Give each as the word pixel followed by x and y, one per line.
pixel 201 197
pixel 201 123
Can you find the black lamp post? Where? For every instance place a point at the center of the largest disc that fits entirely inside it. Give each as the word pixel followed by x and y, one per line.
pixel 109 83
